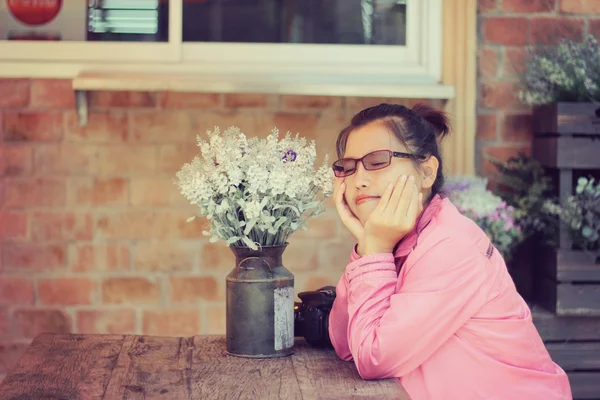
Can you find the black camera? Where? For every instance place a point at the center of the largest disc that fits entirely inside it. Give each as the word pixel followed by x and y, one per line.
pixel 311 316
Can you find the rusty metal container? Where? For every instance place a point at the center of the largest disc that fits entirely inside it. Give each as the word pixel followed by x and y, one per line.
pixel 259 304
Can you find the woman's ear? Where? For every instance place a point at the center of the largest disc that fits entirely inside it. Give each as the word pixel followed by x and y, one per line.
pixel 429 170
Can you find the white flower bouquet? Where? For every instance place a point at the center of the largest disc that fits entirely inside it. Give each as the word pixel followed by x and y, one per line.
pixel 255 192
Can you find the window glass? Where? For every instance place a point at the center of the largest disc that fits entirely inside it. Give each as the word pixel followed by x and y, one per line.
pixel 79 20
pixel 373 22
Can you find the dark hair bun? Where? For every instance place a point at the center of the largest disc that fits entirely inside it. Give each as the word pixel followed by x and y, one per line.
pixel 437 118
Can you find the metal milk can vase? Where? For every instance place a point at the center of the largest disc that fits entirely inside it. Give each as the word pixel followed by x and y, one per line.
pixel 260 304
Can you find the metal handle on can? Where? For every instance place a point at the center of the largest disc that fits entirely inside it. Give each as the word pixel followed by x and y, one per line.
pixel 260 258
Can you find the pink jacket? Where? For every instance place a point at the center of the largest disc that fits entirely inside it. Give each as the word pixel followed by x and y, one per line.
pixel 443 315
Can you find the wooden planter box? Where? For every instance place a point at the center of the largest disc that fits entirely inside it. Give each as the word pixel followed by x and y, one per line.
pixel 568 282
pixel 567 135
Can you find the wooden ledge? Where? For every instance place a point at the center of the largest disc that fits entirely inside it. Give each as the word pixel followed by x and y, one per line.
pixel 298 85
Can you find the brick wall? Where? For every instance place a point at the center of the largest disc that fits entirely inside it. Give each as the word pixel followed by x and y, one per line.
pixel 507 29
pixel 93 233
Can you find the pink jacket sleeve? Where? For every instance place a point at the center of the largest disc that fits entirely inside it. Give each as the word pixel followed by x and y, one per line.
pixel 338 317
pixel 389 333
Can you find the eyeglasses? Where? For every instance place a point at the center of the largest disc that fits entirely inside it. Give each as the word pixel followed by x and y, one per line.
pixel 373 161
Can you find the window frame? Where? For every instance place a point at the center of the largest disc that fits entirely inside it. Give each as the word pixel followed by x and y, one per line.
pixel 416 63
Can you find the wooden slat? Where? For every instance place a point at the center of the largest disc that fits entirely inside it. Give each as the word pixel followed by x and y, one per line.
pixel 567 152
pixel 568 265
pixel 566 118
pixel 321 377
pixel 64 367
pixel 555 328
pixel 585 385
pixel 216 375
pixel 146 367
pixel 574 299
pixel 576 356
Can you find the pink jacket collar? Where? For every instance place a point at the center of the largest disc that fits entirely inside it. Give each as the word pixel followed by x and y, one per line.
pixel 408 243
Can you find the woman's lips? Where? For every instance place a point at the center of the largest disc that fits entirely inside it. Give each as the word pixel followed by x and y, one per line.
pixel 365 199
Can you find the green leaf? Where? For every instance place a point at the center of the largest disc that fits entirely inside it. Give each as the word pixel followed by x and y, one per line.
pixel 232 240
pixel 250 243
pixel 250 225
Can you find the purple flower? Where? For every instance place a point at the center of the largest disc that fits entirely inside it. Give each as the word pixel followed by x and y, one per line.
pixel 289 156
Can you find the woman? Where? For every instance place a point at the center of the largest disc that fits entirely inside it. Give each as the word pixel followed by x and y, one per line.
pixel 426 297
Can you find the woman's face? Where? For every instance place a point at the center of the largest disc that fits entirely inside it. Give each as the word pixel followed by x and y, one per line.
pixel 364 140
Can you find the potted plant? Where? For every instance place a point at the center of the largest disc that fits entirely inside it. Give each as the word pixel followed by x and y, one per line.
pixel 256 193
pixel 492 214
pixel 562 83
pixel 523 184
pixel 575 270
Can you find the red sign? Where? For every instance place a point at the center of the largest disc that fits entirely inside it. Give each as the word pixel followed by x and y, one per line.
pixel 34 12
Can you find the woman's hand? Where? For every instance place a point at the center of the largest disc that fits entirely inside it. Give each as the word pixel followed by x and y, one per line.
pixel 346 215
pixel 394 216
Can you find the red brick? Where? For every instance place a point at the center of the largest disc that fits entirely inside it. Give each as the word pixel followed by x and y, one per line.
pixel 106 321
pixel 548 31
pixel 528 6
pixel 499 95
pixel 171 322
pixel 323 226
pixel 14 290
pixel 109 257
pixel 514 63
pixel 14 225
pixel 240 100
pixel 304 124
pixel 156 192
pixel 594 28
pixel 330 254
pixel 53 93
pixel 163 256
pixel 10 352
pixel 33 257
pixel 133 224
pixel 488 62
pixel 97 192
pixel 28 192
pixel 30 126
pixel 216 319
pixel 315 282
pixel 4 323
pixel 185 289
pixel 65 159
pixel 164 127
pixel 130 290
pixel 300 255
pixel 216 256
pixel 486 127
pixel 121 99
pixel 502 153
pixel 512 31
pixel 310 102
pixel 247 122
pixel 516 128
pixel 67 291
pixel 62 226
pixel 172 157
pixel 127 160
pixel 102 127
pixel 173 224
pixel 485 6
pixel 183 100
pixel 14 93
pixel 580 6
pixel 16 160
pixel 32 322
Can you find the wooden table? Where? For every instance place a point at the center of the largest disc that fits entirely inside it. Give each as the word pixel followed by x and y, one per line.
pixel 71 366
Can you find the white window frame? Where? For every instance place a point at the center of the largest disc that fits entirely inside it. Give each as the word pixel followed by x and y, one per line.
pixel 416 63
